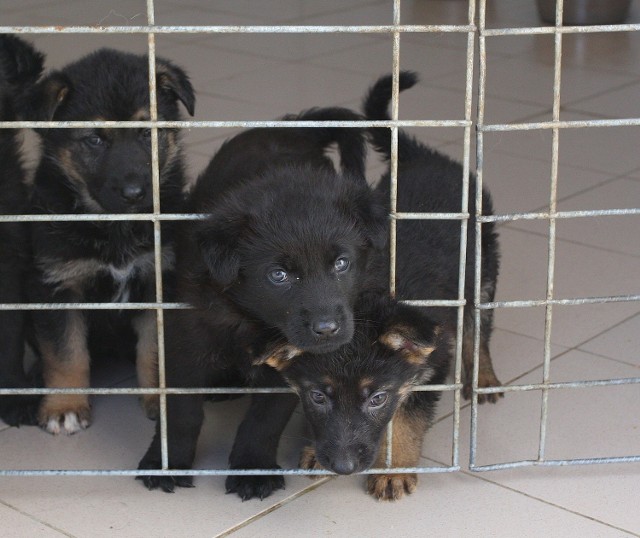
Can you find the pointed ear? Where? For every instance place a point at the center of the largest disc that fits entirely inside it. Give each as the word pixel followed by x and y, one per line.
pixel 411 334
pixel 217 239
pixel 279 357
pixel 172 79
pixel 20 62
pixel 45 98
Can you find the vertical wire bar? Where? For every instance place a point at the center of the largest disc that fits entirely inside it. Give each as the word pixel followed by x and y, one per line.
pixel 464 208
pixel 482 77
pixel 395 95
pixel 552 230
pixel 157 238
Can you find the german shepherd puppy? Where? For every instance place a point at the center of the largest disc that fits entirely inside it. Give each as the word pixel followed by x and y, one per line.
pixel 20 67
pixel 350 395
pixel 282 257
pixel 96 170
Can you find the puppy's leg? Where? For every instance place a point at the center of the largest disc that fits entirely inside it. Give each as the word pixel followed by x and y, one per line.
pixel 409 426
pixel 184 420
pixel 147 359
pixel 256 444
pixel 486 375
pixel 66 365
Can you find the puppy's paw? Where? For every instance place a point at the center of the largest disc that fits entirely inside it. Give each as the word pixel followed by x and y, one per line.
pixel 391 487
pixel 486 378
pixel 168 484
pixel 64 414
pixel 151 405
pixel 248 487
pixel 308 461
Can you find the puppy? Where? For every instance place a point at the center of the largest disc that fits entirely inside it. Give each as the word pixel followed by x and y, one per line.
pixel 428 251
pixel 350 395
pixel 282 257
pixel 96 170
pixel 20 66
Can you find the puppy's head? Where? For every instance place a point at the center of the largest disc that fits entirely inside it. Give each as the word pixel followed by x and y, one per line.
pixel 110 169
pixel 291 250
pixel 20 66
pixel 350 395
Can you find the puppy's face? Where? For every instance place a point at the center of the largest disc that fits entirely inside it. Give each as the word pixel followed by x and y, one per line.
pixel 291 253
pixel 110 170
pixel 349 396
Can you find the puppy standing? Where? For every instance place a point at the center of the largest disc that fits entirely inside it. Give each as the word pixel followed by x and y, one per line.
pixel 281 257
pixel 98 170
pixel 20 66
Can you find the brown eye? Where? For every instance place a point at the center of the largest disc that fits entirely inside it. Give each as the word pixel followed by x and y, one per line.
pixel 378 399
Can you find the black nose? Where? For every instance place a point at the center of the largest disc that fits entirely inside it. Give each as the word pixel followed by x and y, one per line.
pixel 325 327
pixel 132 193
pixel 344 466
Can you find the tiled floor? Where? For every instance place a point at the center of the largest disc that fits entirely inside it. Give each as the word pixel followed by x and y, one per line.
pixel 262 76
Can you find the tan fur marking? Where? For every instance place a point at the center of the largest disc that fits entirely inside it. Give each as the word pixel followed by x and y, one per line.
pixel 280 357
pixel 397 339
pixel 309 462
pixel 66 367
pixel 147 360
pixel 486 375
pixel 408 433
pixel 142 114
pixel 365 383
pixel 65 161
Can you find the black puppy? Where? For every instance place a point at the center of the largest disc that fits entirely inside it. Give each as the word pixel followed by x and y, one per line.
pixel 428 251
pixel 20 66
pixel 282 257
pixel 96 170
pixel 350 395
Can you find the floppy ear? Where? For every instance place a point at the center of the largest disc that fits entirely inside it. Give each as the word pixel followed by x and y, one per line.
pixel 411 334
pixel 172 79
pixel 217 240
pixel 279 357
pixel 44 99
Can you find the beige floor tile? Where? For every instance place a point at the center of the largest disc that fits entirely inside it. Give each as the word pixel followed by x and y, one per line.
pixel 620 343
pixel 618 103
pixel 15 524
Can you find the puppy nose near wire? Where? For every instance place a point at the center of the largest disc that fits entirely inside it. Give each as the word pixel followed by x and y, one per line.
pixel 325 327
pixel 132 193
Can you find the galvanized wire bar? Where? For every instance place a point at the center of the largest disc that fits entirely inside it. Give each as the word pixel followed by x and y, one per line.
pixel 563 302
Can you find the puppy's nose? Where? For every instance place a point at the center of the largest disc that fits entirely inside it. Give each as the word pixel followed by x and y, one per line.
pixel 325 327
pixel 344 466
pixel 132 193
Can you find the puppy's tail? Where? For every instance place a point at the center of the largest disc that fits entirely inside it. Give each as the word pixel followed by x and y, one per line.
pixel 20 63
pixel 376 107
pixel 350 140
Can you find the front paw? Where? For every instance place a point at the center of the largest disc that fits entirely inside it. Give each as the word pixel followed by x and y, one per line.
pixel 64 414
pixel 391 487
pixel 167 484
pixel 486 379
pixel 247 487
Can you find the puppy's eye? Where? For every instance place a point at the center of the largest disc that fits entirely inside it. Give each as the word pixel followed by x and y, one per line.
pixel 94 140
pixel 318 397
pixel 378 399
pixel 341 264
pixel 278 276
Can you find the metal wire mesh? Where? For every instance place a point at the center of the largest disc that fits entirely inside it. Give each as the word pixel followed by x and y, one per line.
pixel 475 32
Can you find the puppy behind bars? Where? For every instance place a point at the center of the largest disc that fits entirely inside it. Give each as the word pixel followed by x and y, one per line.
pixel 100 170
pixel 20 66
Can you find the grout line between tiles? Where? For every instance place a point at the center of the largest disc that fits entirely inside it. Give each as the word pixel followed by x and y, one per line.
pixel 622 86
pixel 274 507
pixel 38 520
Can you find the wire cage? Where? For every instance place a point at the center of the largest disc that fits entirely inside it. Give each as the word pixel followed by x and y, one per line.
pixel 473 125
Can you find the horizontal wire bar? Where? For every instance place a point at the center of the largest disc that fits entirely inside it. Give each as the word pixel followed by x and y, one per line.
pixel 559 215
pixel 245 29
pixel 563 302
pixel 568 124
pixel 217 472
pixel 596 28
pixel 561 385
pixel 99 217
pixel 187 124
pixel 554 463
pixel 94 306
pixel 434 302
pixel 183 390
pixel 429 216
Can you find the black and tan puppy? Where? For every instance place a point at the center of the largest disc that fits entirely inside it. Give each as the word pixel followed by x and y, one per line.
pixel 281 258
pixel 350 395
pixel 97 170
pixel 428 251
pixel 20 66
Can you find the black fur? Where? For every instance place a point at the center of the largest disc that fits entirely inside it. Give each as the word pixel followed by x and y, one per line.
pixel 97 170
pixel 281 258
pixel 20 66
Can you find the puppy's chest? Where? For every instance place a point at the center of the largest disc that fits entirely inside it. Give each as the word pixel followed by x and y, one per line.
pixel 94 280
